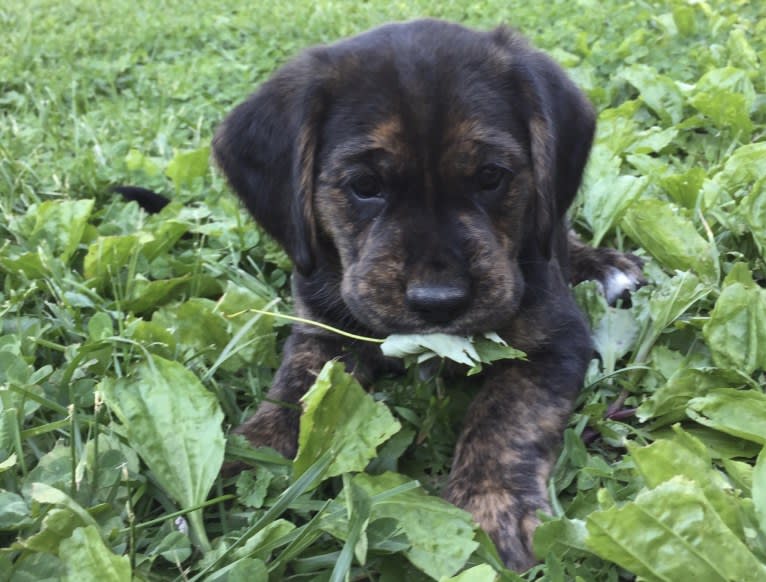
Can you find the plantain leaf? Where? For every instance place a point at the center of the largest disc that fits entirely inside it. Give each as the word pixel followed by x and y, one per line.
pixel 174 424
pixel 185 166
pixel 341 418
pixel 482 573
pixel 687 456
pixel 670 237
pixel 672 533
pixel 61 225
pixel 440 535
pixel 87 558
pixel 456 348
pixel 759 489
pixel 736 330
pixel 660 93
pixel 740 413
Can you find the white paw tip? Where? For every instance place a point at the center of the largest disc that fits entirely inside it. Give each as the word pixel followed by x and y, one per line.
pixel 616 283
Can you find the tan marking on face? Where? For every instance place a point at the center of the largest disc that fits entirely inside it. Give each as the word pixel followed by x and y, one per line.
pixel 388 135
pixel 466 141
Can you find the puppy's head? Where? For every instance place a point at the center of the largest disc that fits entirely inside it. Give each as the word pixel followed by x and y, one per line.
pixel 424 166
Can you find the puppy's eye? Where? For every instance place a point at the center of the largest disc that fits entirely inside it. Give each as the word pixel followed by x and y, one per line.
pixel 491 176
pixel 366 187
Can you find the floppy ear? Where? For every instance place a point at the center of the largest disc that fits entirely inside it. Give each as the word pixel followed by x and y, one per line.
pixel 561 128
pixel 266 146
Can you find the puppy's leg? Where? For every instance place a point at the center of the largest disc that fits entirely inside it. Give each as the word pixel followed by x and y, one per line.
pixel 506 451
pixel 275 423
pixel 618 273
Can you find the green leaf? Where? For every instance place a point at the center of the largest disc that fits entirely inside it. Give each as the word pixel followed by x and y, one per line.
pixel 174 547
pixel 671 533
pixel 35 567
pixel 741 50
pixel 688 457
pixel 605 202
pixel 87 558
pixel 559 537
pixel 742 169
pixel 300 486
pixel 14 513
pixel 740 413
pixel 490 348
pixel 254 338
pixel 684 188
pixel 440 534
pixel 164 235
pixel 653 140
pixel 669 301
pixel 759 489
pixel 259 544
pixel 456 348
pixel 668 403
pixel 148 295
pixel 752 210
pixel 358 511
pixel 100 326
pixel 109 254
pixel 670 238
pixel 339 416
pixel 136 161
pixel 31 265
pixel 720 445
pixel 469 351
pixel 674 297
pixel 174 424
pixel 614 336
pixel 684 19
pixel 252 486
pixel 60 522
pixel 43 493
pixel 244 570
pixel 54 468
pixel 660 93
pixel 188 165
pixel 196 326
pixel 616 130
pixel 481 573
pixel 736 330
pixel 726 96
pixel 60 224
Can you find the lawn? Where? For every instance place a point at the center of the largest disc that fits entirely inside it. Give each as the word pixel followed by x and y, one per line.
pixel 130 343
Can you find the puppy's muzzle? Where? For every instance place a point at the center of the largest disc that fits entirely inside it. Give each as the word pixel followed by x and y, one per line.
pixel 438 302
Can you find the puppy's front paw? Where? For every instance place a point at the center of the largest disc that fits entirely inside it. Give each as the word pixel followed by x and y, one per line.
pixel 509 521
pixel 271 426
pixel 617 273
pixel 623 274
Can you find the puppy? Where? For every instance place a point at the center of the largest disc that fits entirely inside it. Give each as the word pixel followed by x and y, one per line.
pixel 418 176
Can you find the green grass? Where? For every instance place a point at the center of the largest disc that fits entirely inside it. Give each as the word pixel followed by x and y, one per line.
pixel 128 344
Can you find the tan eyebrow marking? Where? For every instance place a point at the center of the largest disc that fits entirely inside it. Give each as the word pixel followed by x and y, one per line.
pixel 466 142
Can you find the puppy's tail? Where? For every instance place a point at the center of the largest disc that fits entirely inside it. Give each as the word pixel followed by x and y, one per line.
pixel 146 199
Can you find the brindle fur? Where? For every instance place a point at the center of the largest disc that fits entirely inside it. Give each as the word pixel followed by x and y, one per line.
pixel 423 107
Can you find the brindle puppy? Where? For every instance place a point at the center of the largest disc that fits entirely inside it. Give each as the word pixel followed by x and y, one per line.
pixel 418 176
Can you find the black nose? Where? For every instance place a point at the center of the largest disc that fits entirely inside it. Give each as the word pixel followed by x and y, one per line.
pixel 437 303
